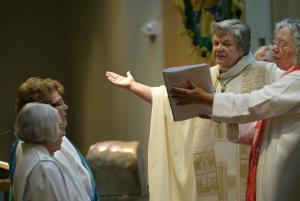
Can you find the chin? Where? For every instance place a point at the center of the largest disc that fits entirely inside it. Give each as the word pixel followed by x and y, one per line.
pixel 58 148
pixel 219 63
pixel 65 122
pixel 224 66
pixel 282 66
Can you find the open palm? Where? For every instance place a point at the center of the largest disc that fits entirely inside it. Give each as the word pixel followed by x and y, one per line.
pixel 119 79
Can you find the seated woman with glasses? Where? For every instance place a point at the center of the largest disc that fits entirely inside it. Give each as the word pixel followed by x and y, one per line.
pixel 39 175
pixel 49 91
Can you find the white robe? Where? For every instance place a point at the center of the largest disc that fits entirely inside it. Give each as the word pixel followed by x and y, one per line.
pixel 278 168
pixel 39 176
pixel 175 148
pixel 68 156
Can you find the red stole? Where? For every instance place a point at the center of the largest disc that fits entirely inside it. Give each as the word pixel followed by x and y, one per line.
pixel 254 152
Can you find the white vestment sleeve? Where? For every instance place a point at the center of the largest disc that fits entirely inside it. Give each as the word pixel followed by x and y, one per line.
pixel 277 99
pixel 170 153
pixel 46 183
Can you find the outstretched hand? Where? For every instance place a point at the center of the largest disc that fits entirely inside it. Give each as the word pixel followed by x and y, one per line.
pixel 120 80
pixel 128 83
pixel 193 94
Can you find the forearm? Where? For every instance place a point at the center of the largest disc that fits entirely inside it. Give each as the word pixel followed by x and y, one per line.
pixel 141 90
pixel 208 98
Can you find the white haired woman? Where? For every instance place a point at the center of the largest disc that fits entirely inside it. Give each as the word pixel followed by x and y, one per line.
pixel 38 175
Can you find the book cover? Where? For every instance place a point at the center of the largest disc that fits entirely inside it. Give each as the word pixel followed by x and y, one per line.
pixel 178 76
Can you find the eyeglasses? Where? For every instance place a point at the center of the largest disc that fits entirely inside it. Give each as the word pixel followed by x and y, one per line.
pixel 62 127
pixel 59 103
pixel 280 44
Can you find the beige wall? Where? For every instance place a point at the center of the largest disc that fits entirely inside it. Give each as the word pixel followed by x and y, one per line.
pixel 31 44
pixel 107 36
pixel 281 9
pixel 176 45
pixel 263 15
pixel 76 43
pixel 259 11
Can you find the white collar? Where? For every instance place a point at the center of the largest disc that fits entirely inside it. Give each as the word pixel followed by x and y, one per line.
pixel 238 67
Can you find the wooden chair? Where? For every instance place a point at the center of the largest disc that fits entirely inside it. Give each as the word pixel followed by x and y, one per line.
pixel 4 179
pixel 119 170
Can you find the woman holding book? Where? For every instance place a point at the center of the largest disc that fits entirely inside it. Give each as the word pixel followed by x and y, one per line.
pixel 176 169
pixel 277 176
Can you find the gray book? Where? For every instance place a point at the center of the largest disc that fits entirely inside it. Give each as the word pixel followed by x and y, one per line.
pixel 178 76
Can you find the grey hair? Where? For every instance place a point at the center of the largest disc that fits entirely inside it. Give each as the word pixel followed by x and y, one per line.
pixel 294 26
pixel 37 122
pixel 238 28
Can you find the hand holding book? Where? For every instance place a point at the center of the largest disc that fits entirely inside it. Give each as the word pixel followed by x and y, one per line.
pixel 191 95
pixel 183 85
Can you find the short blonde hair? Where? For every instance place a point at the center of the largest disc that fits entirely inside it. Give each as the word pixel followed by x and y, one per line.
pixel 36 89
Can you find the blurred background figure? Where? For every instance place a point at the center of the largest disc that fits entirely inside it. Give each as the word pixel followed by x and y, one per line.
pixel 264 53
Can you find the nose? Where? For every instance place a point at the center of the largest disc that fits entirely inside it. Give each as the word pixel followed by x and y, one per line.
pixel 63 131
pixel 66 107
pixel 219 47
pixel 275 49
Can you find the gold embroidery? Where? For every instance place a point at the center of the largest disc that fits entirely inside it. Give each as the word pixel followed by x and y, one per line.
pixel 216 180
pixel 205 170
